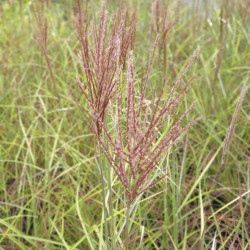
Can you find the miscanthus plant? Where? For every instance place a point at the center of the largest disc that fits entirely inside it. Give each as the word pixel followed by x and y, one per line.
pixel 132 141
pixel 133 148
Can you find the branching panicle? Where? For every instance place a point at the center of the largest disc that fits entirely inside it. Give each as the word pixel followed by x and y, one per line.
pixel 102 57
pixel 133 148
pixel 138 151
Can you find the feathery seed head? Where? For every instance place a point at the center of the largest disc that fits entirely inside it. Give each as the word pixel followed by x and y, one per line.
pixel 135 153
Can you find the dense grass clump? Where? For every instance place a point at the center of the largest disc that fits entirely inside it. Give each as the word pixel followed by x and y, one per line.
pixel 53 178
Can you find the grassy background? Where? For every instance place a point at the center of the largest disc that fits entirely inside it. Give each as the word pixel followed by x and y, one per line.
pixel 50 191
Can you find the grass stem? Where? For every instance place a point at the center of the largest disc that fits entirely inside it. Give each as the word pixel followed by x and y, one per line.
pixel 127 226
pixel 104 198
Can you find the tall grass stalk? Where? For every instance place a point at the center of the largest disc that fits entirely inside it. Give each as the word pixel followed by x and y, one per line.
pixel 102 167
pixel 162 21
pixel 39 12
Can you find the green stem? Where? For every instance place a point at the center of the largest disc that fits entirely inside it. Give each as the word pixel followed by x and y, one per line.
pixel 111 209
pixel 127 226
pixel 104 198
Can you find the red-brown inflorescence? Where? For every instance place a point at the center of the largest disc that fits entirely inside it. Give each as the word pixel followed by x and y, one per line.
pixel 39 11
pixel 134 150
pixel 161 23
pixel 102 56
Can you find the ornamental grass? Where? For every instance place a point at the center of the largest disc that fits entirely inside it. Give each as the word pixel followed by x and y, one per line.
pixel 126 121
